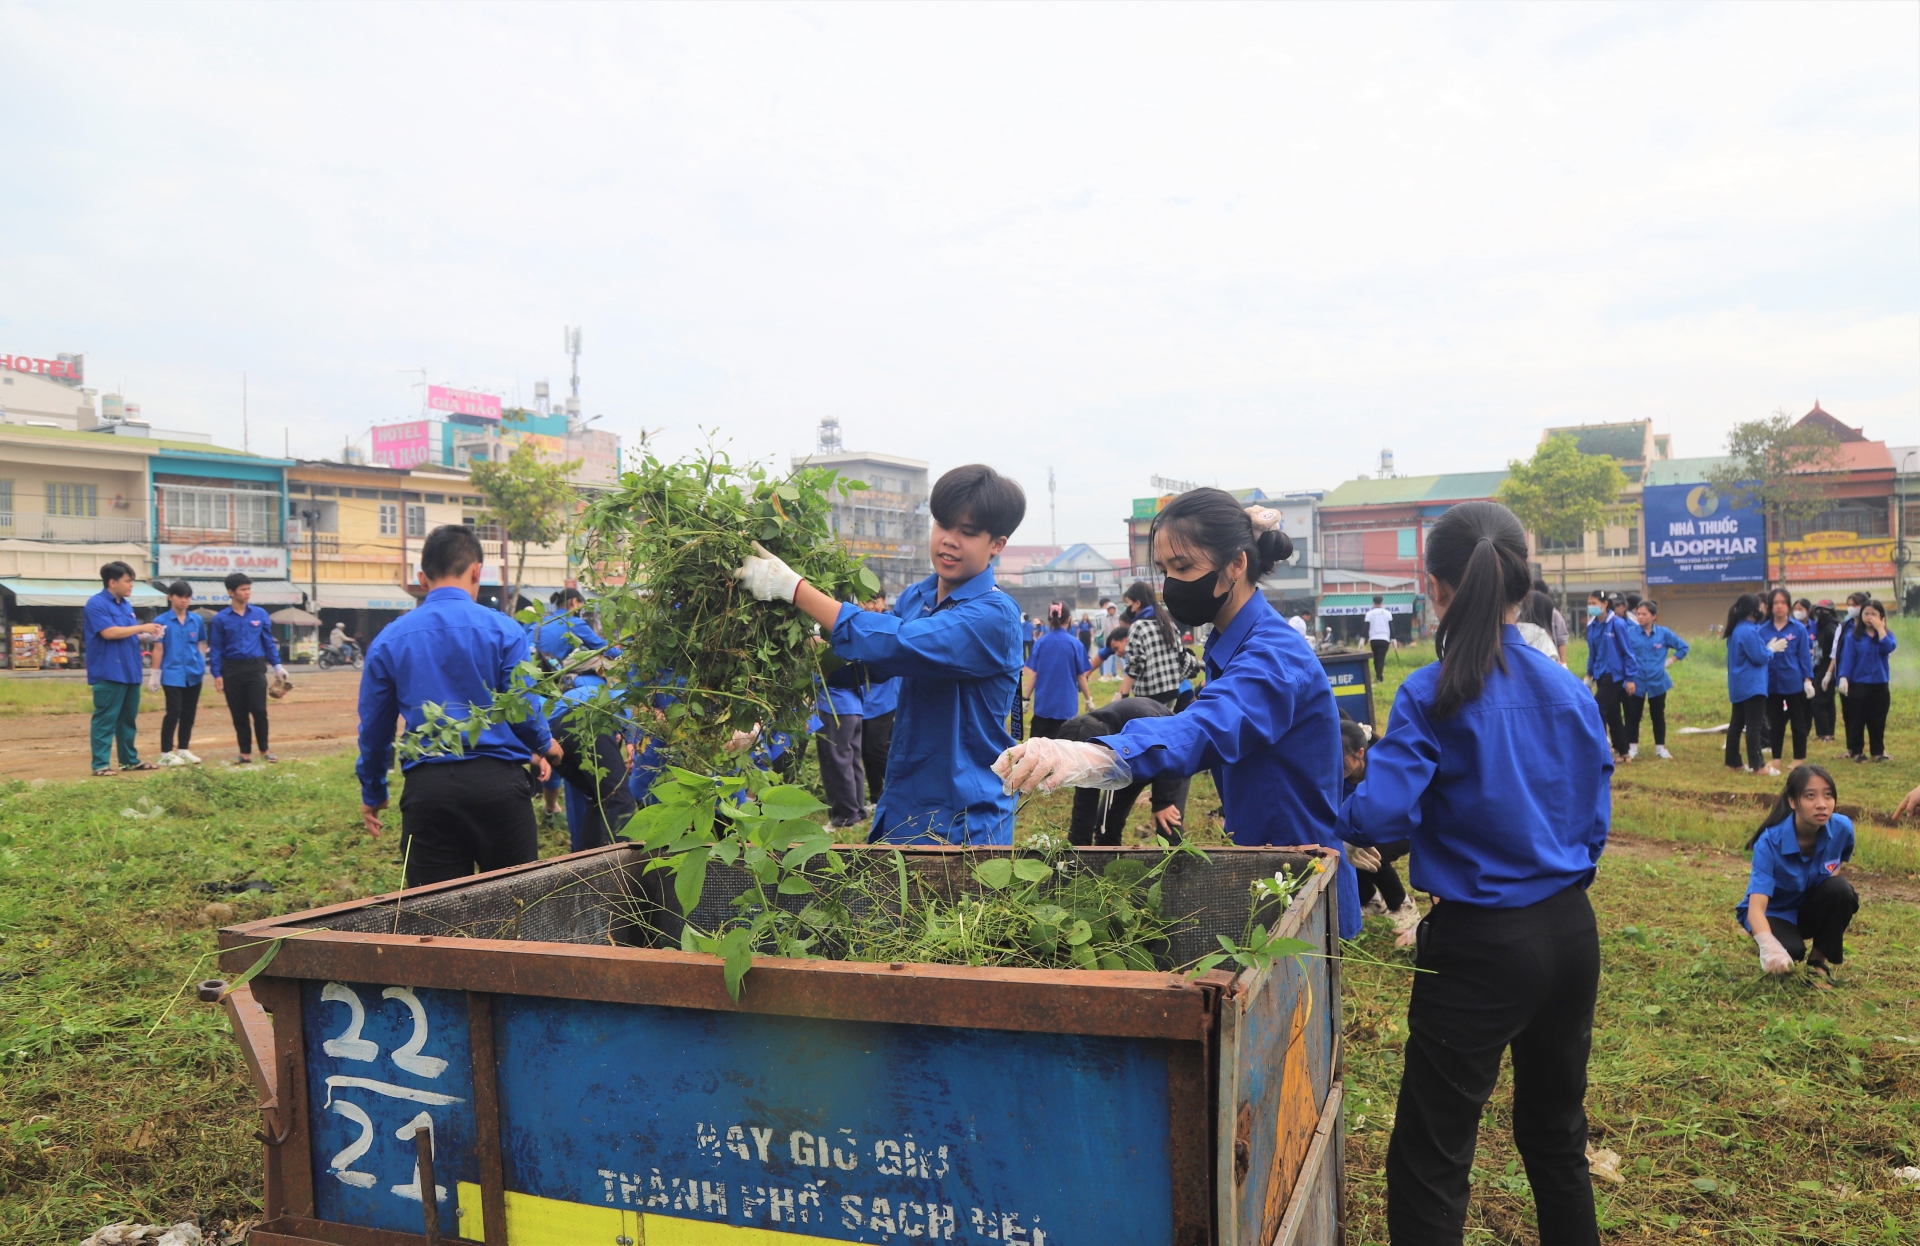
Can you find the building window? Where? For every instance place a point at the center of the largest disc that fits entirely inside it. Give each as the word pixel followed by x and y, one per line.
pixel 1408 539
pixel 1343 550
pixel 1547 545
pixel 389 520
pixel 437 499
pixel 484 530
pixel 6 497
pixel 1622 541
pixel 253 517
pixel 82 501
pixel 1862 521
pixel 416 519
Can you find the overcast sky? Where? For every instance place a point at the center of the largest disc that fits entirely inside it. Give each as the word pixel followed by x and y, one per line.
pixel 1243 245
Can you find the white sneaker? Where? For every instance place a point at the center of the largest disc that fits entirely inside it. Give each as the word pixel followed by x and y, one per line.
pixel 1660 751
pixel 167 759
pixel 1633 751
pixel 190 758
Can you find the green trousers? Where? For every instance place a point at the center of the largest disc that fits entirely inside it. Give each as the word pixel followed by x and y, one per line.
pixel 116 714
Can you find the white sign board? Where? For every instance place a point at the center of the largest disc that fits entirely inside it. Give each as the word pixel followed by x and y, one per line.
pixel 216 562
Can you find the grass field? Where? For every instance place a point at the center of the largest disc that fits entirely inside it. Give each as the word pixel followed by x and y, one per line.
pixel 50 695
pixel 1744 1109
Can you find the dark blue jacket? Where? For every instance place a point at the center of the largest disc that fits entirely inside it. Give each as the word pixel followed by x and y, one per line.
pixel 238 637
pixel 1864 660
pixel 1746 663
pixel 1506 802
pixel 1789 670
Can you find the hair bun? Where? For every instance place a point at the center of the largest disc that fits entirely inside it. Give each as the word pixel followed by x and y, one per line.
pixel 1275 545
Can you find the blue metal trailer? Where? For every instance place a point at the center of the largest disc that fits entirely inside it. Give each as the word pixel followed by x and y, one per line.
pixel 522 1057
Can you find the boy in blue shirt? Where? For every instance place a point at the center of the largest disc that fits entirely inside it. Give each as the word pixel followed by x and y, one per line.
pixel 113 669
pixel 240 652
pixel 179 670
pixel 954 641
pixel 469 810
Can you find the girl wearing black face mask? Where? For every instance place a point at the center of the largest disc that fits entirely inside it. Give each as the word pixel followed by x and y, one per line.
pixel 1265 723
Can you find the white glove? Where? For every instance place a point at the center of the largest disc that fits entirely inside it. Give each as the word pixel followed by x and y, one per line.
pixel 1362 858
pixel 280 672
pixel 1777 646
pixel 1773 957
pixel 153 681
pixel 1043 765
pixel 1809 686
pixel 1843 687
pixel 766 577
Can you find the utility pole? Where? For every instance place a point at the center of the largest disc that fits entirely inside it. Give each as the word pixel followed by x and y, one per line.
pixel 243 412
pixel 312 519
pixel 1053 513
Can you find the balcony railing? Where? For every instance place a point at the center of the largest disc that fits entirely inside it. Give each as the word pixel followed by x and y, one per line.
pixel 173 534
pixel 77 529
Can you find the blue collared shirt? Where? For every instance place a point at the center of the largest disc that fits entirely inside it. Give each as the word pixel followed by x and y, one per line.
pixel 1267 727
pixel 561 632
pixel 1864 660
pixel 182 665
pixel 1650 652
pixel 959 666
pixel 1784 874
pixel 110 661
pixel 1507 801
pixel 1057 662
pixel 450 651
pixel 1789 670
pixel 1596 645
pixel 236 637
pixel 1746 663
pixel 882 696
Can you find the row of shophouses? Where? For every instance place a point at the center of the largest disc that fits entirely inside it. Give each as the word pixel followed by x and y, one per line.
pixel 1669 537
pixel 339 541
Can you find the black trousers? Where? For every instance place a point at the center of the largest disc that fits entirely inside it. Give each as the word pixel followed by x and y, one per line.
pixel 1822 703
pixel 1749 716
pixel 1611 695
pixel 1380 648
pixel 245 683
pixel 1825 914
pixel 182 705
pixel 1520 978
pixel 1867 706
pixel 1093 826
pixel 876 741
pixel 1657 709
pixel 839 741
pixel 1039 728
pixel 1783 711
pixel 1385 880
pixel 609 803
pixel 459 816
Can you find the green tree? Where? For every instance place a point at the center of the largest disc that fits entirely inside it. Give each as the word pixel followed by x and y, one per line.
pixel 1561 494
pixel 530 501
pixel 1776 466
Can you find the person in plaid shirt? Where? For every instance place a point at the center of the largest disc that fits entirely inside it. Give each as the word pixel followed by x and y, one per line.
pixel 1156 660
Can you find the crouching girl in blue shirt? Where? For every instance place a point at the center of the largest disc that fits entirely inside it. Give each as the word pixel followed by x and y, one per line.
pixel 1265 723
pixel 1796 896
pixel 1495 765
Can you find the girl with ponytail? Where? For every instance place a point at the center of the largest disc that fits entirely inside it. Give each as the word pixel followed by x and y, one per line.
pixel 1496 767
pixel 1796 896
pixel 1265 724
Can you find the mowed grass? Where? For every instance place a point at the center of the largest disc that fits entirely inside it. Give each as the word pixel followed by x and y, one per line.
pixel 49 694
pixel 120 1101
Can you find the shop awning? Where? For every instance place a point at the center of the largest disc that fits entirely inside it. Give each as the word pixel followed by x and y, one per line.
pixel 73 593
pixel 265 593
pixel 293 616
pixel 363 597
pixel 1334 605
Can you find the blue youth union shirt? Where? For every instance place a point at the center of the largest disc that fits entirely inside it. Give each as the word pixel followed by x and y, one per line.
pixel 1784 874
pixel 1057 662
pixel 182 665
pixel 1506 802
pixel 1267 727
pixel 234 637
pixel 110 661
pixel 1650 652
pixel 1866 660
pixel 451 651
pixel 958 662
pixel 1788 670
pixel 882 696
pixel 1746 663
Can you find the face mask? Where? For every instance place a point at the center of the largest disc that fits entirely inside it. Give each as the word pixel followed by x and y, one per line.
pixel 1800 616
pixel 1593 612
pixel 1192 602
pixel 1853 612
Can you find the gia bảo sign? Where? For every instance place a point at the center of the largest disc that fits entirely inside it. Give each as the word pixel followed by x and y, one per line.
pixel 216 562
pixel 66 369
pixel 403 445
pixel 463 402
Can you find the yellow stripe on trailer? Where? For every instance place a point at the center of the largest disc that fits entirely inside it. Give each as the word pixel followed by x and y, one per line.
pixel 535 1221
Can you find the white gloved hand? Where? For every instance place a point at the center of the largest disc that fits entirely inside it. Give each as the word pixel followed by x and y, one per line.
pixel 1808 684
pixel 1044 765
pixel 1773 957
pixel 279 671
pixel 1843 687
pixel 1362 858
pixel 1777 646
pixel 766 577
pixel 153 681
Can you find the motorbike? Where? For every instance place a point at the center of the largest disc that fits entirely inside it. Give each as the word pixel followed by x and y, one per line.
pixel 341 655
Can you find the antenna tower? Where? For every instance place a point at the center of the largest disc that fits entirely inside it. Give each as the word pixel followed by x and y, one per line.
pixel 1053 513
pixel 829 441
pixel 572 347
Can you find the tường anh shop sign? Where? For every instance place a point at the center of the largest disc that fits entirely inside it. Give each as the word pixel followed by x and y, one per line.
pixel 215 562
